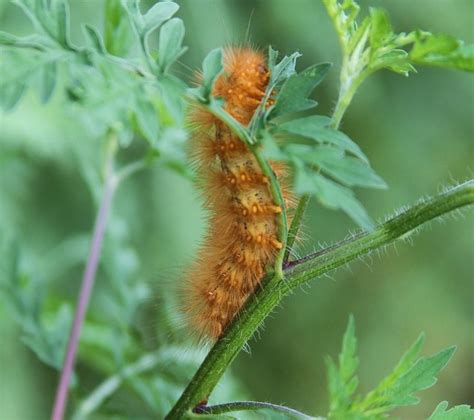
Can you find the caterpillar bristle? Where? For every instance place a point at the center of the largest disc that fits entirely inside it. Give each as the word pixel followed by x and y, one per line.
pixel 242 239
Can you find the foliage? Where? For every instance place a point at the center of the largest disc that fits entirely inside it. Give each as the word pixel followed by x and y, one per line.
pixel 410 375
pixel 121 84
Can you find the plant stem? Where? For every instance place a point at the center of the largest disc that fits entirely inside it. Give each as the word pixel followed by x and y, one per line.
pixel 261 303
pixel 110 184
pixel 295 226
pixel 398 227
pixel 253 405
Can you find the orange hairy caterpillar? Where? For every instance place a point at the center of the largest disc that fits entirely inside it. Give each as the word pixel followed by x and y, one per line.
pixel 242 238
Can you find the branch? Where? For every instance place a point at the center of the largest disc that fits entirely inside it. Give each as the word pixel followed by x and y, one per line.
pixel 253 406
pixel 266 298
pixel 87 284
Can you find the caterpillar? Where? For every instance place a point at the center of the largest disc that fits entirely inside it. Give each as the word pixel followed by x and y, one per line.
pixel 242 237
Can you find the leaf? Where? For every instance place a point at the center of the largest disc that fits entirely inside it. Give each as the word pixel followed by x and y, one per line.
pixel 48 340
pixel 459 412
pixel 211 69
pixel 147 119
pixel 158 14
pixel 443 51
pixel 348 360
pixel 342 380
pixel 316 127
pixel 95 38
pixel 380 29
pixel 332 161
pixel 48 81
pixel 331 195
pixel 170 43
pixel 62 17
pixel 281 71
pixel 420 376
pixel 351 172
pixel 295 91
pixel 10 95
pixel 118 32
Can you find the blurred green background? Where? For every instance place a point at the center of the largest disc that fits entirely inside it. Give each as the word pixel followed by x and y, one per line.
pixel 418 133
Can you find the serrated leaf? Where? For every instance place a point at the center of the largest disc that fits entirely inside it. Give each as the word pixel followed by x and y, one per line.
pixel 421 376
pixel 342 380
pixel 158 14
pixel 95 38
pixel 48 81
pixel 317 128
pixel 170 43
pixel 459 412
pixel 295 91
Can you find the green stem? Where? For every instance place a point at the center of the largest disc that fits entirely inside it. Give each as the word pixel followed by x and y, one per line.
pixel 252 406
pixel 266 298
pixel 398 227
pixel 295 226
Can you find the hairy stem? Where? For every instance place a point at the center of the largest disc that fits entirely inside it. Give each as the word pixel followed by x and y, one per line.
pixel 252 406
pixel 266 298
pixel 295 226
pixel 87 284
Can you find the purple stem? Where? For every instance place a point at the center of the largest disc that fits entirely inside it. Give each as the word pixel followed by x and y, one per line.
pixel 84 297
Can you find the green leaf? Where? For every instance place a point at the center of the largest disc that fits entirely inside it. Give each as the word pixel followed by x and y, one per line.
pixel 351 172
pixel 211 69
pixel 147 119
pixel 170 43
pixel 380 29
pixel 281 71
pixel 332 161
pixel 34 41
pixel 422 375
pixel 443 51
pixel 331 195
pixel 295 91
pixel 48 340
pixel 459 412
pixel 62 17
pixel 342 380
pixel 95 38
pixel 316 127
pixel 118 32
pixel 334 196
pixel 48 81
pixel 158 14
pixel 348 360
pixel 10 95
